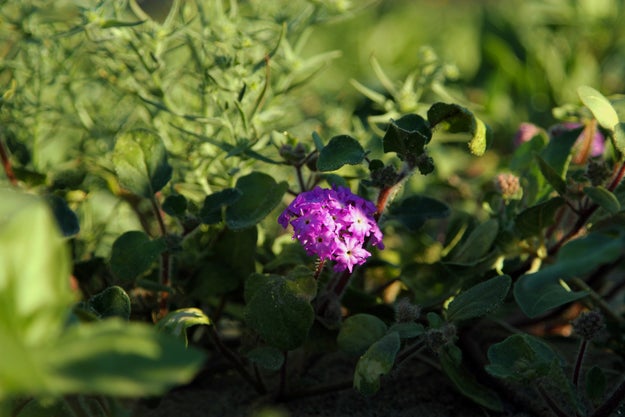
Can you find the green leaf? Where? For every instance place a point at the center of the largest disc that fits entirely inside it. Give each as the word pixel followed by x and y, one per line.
pixel 339 151
pixel 112 302
pixel 46 407
pixel 360 331
pixel 600 107
pixel 140 161
pixel 118 358
pixel 407 137
pixel 479 242
pixel 178 321
pixel 408 330
pixel 466 382
pixel 65 217
pixel 267 357
pixel 480 299
pixel 557 153
pixel 521 358
pixel 175 205
pixel 378 360
pixel 596 385
pixel 259 195
pixel 541 291
pixel 534 220
pixel 619 137
pixel 133 253
pixel 211 211
pixel 414 211
pixel 604 198
pixel 278 310
pixel 552 177
pixel 35 294
pixel 458 119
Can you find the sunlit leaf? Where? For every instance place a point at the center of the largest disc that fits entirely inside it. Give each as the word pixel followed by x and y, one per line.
pixel 377 361
pixel 178 321
pixel 600 107
pixel 140 160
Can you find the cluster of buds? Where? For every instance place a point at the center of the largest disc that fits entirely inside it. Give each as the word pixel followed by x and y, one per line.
pixel 334 225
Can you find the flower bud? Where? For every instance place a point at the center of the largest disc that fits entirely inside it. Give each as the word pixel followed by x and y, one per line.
pixel 588 324
pixel 406 312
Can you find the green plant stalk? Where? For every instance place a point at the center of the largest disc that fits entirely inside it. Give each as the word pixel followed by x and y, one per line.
pixel 165 260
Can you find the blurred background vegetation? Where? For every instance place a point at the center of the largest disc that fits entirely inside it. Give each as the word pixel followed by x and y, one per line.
pixel 76 73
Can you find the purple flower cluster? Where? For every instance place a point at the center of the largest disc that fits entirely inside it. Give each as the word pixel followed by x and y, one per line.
pixel 334 225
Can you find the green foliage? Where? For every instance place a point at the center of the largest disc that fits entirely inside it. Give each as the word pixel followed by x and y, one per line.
pixel 359 332
pixel 480 299
pixel 177 322
pixel 140 160
pixel 134 253
pixel 341 150
pixel 376 361
pixel 148 154
pixel 279 308
pixel 259 195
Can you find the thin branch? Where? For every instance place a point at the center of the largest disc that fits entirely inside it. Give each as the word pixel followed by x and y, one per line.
pixel 6 163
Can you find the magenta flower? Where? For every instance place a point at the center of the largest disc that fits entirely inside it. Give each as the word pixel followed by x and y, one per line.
pixel 333 224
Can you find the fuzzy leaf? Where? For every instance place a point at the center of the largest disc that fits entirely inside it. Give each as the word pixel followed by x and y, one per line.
pixel 111 302
pixel 600 107
pixel 211 211
pixel 340 151
pixel 541 291
pixel 521 358
pixel 414 211
pixel 407 137
pixel 534 220
pixel 604 198
pixel 360 331
pixel 467 384
pixel 378 360
pixel 140 161
pixel 177 322
pixel 458 119
pixel 554 178
pixel 133 253
pixel 480 299
pixel 279 312
pixel 119 358
pixel 259 195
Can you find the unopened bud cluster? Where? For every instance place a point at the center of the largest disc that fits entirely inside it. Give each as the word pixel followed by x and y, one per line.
pixel 587 325
pixel 333 224
pixel 438 338
pixel 406 312
pixel 508 185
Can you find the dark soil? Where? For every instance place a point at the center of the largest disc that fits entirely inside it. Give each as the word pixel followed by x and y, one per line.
pixel 413 390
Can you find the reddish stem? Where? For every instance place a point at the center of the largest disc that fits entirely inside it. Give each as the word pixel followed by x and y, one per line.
pixel 578 362
pixel 6 163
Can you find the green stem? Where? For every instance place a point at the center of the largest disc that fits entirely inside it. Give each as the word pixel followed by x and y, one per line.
pixel 165 260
